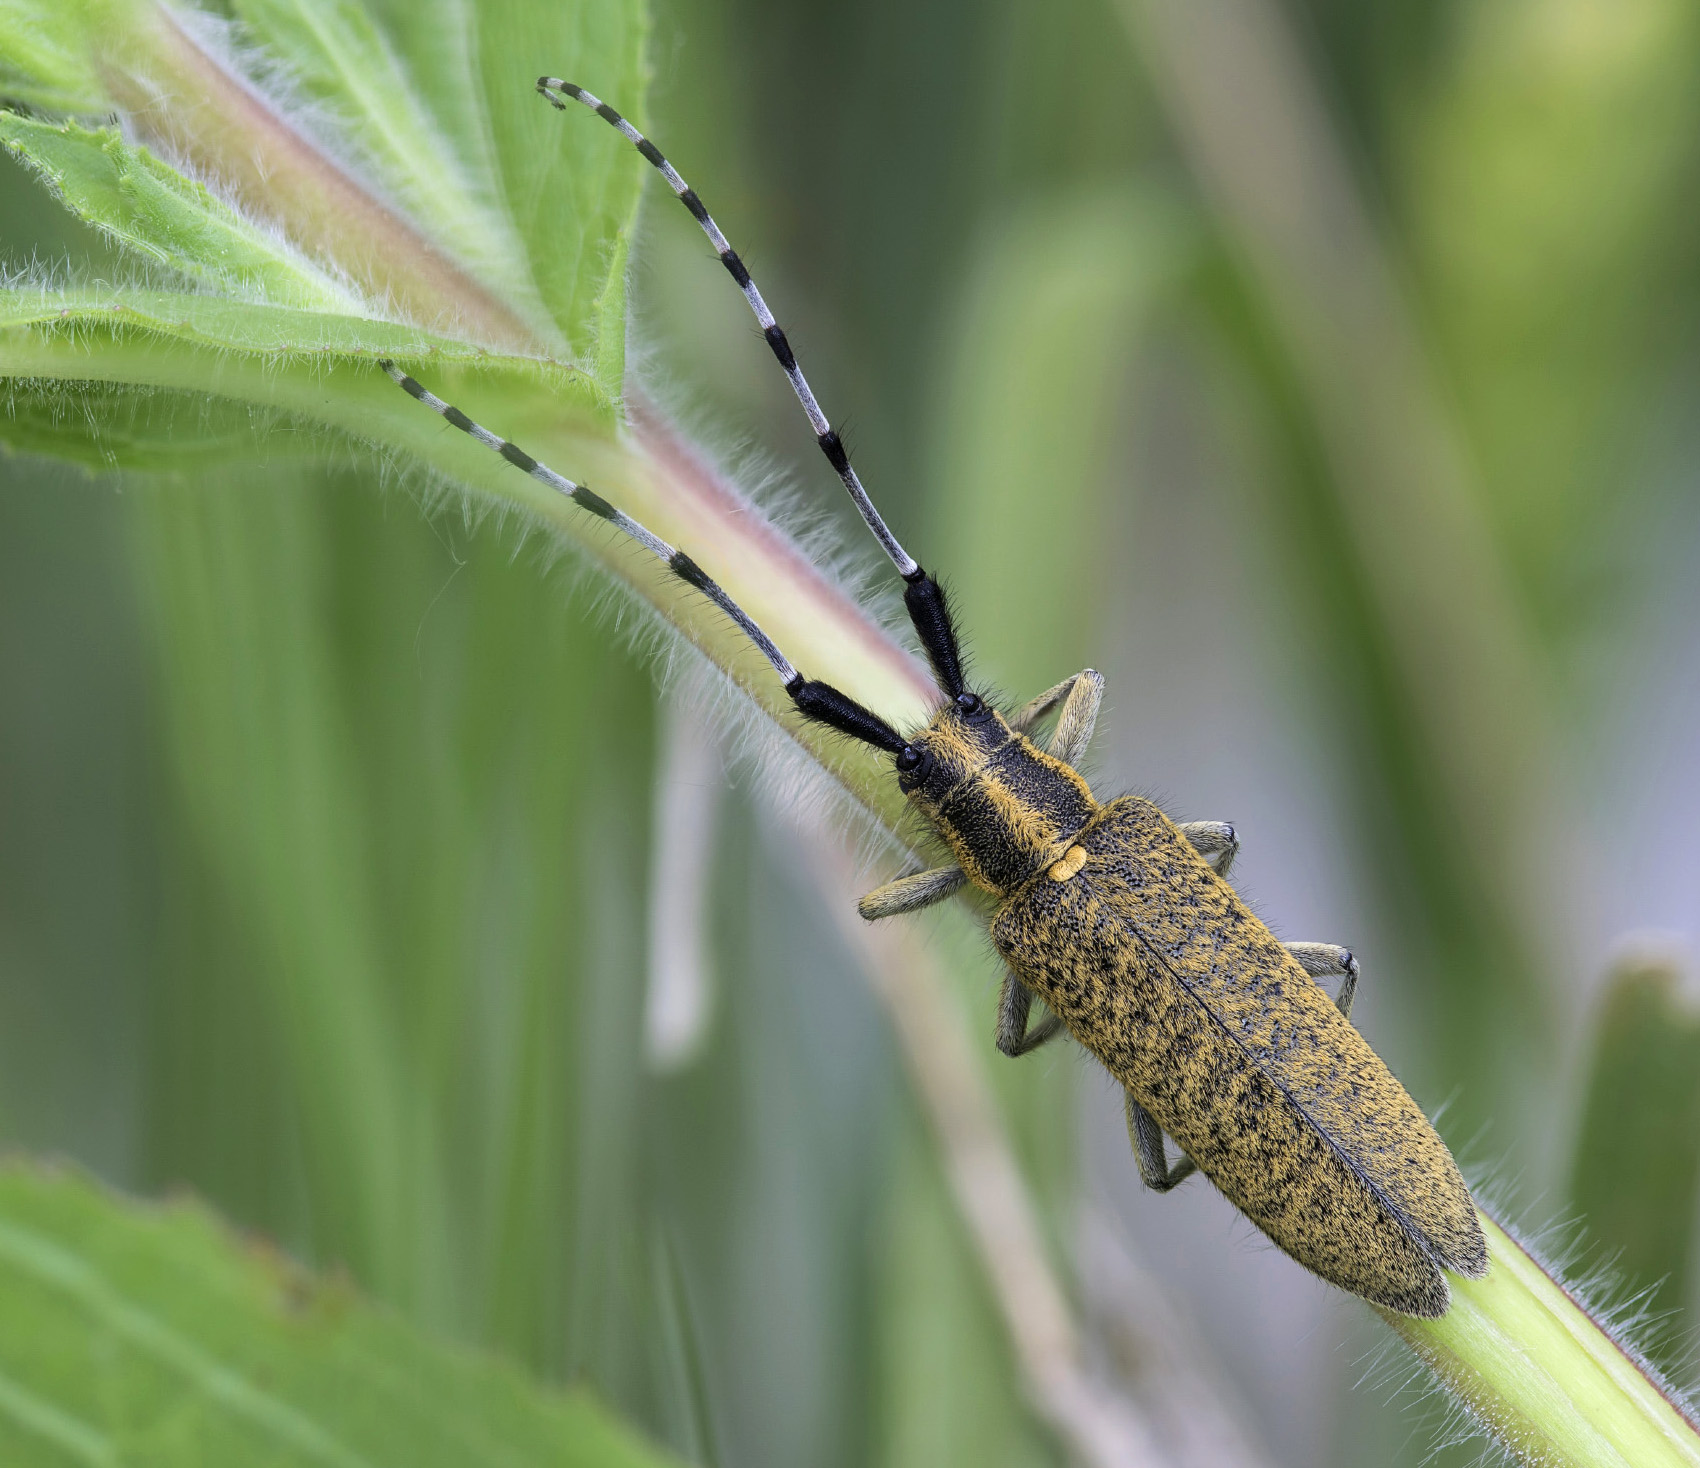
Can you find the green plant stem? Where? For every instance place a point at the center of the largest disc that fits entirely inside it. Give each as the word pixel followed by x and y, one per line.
pixel 1540 1373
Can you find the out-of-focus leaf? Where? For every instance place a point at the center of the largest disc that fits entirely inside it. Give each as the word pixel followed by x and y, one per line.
pixel 1028 423
pixel 151 1336
pixel 1635 1179
pixel 376 749
pixel 1549 187
pixel 45 57
pixel 152 209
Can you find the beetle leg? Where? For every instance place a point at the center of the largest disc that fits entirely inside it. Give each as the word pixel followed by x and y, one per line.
pixel 1215 841
pixel 1024 721
pixel 906 894
pixel 1079 716
pixel 1014 1002
pixel 1147 1139
pixel 1329 961
pixel 1080 697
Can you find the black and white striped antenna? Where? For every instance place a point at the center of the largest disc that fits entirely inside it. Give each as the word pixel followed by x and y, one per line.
pixel 922 595
pixel 818 701
pixel 825 434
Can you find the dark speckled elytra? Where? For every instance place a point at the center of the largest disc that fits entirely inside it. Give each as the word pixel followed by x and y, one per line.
pixel 1111 916
pixel 1123 923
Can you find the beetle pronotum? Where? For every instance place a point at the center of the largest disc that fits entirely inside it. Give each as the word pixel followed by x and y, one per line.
pixel 1124 924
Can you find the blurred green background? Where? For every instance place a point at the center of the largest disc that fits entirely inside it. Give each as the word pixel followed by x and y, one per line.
pixel 1336 400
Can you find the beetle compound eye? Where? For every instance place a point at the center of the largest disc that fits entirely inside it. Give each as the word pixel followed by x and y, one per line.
pixel 971 706
pixel 914 764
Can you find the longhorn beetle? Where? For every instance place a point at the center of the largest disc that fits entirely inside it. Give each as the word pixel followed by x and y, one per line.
pixel 1124 924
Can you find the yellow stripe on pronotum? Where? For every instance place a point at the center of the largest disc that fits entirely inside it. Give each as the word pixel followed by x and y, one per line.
pixel 1123 924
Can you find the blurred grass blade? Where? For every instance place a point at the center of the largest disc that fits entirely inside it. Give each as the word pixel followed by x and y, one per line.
pixel 1050 317
pixel 951 1393
pixel 149 207
pixel 1547 186
pixel 380 901
pixel 1469 746
pixel 687 1400
pixel 1635 1179
pixel 272 790
pixel 152 1335
pixel 681 990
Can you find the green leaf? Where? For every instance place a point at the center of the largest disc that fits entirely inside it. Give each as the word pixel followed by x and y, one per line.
pixel 340 56
pixel 951 1393
pixel 441 183
pixel 104 427
pixel 1636 1172
pixel 32 316
pixel 440 97
pixel 252 365
pixel 151 208
pixel 144 1336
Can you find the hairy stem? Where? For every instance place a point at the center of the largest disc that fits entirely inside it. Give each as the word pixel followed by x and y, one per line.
pixel 1530 1363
